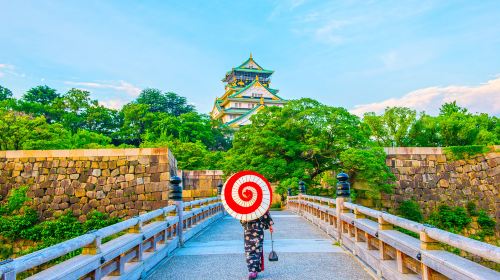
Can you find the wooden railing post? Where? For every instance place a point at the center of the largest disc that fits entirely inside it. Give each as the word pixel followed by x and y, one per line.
pixel 93 248
pixel 9 273
pixel 383 225
pixel 427 243
pixel 176 196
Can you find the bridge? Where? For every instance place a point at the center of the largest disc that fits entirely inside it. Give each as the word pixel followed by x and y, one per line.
pixel 316 238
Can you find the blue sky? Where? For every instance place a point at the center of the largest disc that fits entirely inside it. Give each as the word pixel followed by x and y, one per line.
pixel 362 55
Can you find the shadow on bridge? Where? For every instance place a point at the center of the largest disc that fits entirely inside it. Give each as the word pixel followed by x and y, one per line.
pixel 305 252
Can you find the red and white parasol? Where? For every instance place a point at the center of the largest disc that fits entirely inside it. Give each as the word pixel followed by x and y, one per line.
pixel 246 195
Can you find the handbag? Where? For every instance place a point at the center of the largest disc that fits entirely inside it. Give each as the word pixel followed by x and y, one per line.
pixel 273 257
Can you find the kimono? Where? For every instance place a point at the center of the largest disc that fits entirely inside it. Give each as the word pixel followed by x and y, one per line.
pixel 254 241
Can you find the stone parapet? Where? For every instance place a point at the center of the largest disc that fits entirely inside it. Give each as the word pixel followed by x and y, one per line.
pixel 120 182
pixel 430 178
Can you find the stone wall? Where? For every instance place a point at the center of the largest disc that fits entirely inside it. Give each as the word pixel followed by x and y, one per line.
pixel 121 182
pixel 201 183
pixel 426 175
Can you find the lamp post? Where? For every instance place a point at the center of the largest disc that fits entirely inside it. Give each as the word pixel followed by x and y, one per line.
pixel 343 185
pixel 302 191
pixel 219 190
pixel 302 187
pixel 343 193
pixel 176 195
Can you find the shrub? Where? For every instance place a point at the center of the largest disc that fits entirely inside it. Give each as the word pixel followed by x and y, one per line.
pixel 15 200
pixel 472 209
pixel 464 152
pixel 410 210
pixel 97 220
pixel 453 219
pixel 276 205
pixel 486 223
pixel 16 226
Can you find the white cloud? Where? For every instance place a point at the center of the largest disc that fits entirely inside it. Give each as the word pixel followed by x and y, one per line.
pixel 113 103
pixel 328 32
pixel 482 98
pixel 6 68
pixel 123 86
pixel 283 6
pixel 296 3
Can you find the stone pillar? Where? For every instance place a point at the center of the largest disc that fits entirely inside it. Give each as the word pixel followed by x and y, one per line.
pixel 176 195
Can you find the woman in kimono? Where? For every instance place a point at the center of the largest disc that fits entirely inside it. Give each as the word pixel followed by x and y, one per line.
pixel 254 243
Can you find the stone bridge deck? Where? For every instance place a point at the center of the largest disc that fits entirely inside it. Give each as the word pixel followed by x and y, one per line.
pixel 305 252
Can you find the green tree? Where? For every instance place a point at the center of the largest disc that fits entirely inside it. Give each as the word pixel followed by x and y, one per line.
pixel 457 126
pixel 82 112
pixel 136 120
pixel 368 165
pixel 41 94
pixel 5 93
pixel 102 120
pixel 21 131
pixel 489 130
pixel 425 132
pixel 300 140
pixel 450 108
pixel 189 127
pixel 393 127
pixel 75 104
pixel 42 101
pixel 85 139
pixel 168 102
pixel 48 137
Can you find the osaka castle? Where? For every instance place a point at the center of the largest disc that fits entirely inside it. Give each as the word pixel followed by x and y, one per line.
pixel 247 91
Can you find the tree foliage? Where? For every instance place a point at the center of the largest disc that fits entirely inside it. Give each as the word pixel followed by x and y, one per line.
pixel 301 140
pixel 368 165
pixel 45 119
pixel 393 127
pixel 454 126
pixel 5 93
pixel 166 102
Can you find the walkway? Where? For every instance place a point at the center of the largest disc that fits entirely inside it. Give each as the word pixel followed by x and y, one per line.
pixel 304 252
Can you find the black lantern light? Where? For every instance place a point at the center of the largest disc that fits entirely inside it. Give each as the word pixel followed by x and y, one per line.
pixel 175 188
pixel 302 187
pixel 343 186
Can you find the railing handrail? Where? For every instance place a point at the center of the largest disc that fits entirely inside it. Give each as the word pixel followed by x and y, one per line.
pixel 45 255
pixel 42 256
pixel 482 249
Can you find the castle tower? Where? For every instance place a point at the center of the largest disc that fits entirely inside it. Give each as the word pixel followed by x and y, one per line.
pixel 247 90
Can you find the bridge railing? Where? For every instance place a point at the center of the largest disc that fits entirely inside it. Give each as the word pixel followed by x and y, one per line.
pixel 373 237
pixel 138 245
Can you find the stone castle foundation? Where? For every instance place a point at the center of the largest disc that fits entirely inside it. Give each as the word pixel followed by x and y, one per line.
pixel 120 182
pixel 431 179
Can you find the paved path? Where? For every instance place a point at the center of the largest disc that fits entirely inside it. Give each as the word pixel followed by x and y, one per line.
pixel 304 252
